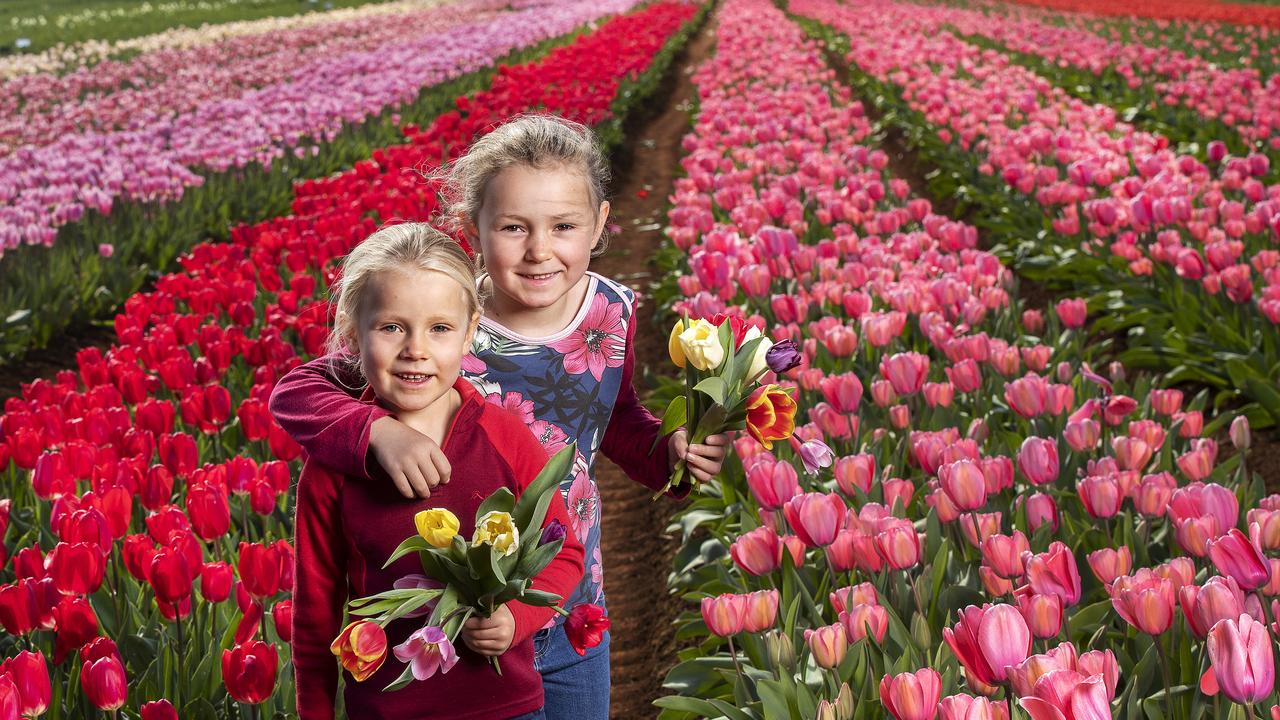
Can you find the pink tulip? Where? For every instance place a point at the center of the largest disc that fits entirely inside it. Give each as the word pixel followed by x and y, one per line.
pixel 1027 395
pixel 1241 557
pixel 1003 553
pixel 843 392
pixel 1041 509
pixel 828 644
pixel 1068 695
pixel 899 545
pixel 1100 495
pixel 1024 675
pixel 757 552
pixel 988 640
pixel 725 614
pixel 862 620
pixel 1082 435
pixel 967 707
pixel 1071 312
pixel 1108 564
pixel 846 597
pixel 761 611
pixel 912 696
pixel 906 372
pixel 1054 573
pixel 1242 660
pixel 964 483
pixel 1144 600
pixel 815 517
pixel 1038 460
pixel 855 471
pixel 1220 598
pixel 772 482
pixel 1043 613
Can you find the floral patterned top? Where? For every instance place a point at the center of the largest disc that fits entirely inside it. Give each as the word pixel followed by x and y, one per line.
pixel 574 386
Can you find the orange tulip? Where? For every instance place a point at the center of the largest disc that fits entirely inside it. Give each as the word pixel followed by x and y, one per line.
pixel 771 415
pixel 361 648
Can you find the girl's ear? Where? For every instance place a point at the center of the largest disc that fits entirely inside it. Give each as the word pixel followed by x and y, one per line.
pixel 350 338
pixel 602 219
pixel 471 329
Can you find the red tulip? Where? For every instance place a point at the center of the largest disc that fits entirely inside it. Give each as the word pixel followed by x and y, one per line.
pixel 19 609
pixel 209 511
pixel 912 696
pixel 76 569
pixel 1054 573
pixel 30 674
pixel 169 575
pixel 105 683
pixel 178 453
pixel 259 570
pixel 1241 557
pixel 585 627
pixel 282 616
pixel 159 710
pixel 1241 658
pixel 10 698
pixel 988 640
pixel 249 671
pixel 216 579
pixel 76 625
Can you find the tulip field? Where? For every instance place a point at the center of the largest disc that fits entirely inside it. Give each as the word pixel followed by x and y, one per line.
pixel 1029 253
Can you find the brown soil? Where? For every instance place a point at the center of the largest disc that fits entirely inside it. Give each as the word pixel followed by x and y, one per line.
pixel 47 362
pixel 638 555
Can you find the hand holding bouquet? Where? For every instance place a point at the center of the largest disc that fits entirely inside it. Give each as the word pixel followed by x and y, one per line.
pixel 508 549
pixel 723 360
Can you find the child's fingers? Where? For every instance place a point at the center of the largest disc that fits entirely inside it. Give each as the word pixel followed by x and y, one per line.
pixel 440 466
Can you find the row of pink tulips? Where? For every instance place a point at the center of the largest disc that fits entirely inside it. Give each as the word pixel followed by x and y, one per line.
pixel 959 463
pixel 1243 98
pixel 154 157
pixel 1134 196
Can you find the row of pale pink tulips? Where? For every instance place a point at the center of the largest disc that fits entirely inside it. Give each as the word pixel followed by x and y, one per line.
pixel 949 435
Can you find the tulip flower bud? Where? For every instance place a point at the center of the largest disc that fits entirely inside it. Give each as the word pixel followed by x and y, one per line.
pixel 1240 435
pixel 826 710
pixel 782 653
pixel 845 705
pixel 828 644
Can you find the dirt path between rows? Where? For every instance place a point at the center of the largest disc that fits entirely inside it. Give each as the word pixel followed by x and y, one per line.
pixel 638 556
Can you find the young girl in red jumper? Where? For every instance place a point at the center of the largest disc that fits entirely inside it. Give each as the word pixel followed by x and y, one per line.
pixel 554 347
pixel 407 308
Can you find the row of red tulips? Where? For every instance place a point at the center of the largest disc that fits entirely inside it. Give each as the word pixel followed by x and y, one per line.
pixel 148 488
pixel 960 462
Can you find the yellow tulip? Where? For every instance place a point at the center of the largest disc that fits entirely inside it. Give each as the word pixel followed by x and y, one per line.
pixel 496 528
pixel 437 526
pixel 700 343
pixel 673 344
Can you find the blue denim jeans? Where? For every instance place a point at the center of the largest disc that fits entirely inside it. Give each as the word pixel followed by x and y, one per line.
pixel 538 714
pixel 574 687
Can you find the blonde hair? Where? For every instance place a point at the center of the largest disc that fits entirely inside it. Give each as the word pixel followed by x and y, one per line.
pixel 536 141
pixel 413 245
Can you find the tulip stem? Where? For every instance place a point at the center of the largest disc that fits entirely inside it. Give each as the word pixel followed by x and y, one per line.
pixel 177 686
pixel 1164 669
pixel 733 654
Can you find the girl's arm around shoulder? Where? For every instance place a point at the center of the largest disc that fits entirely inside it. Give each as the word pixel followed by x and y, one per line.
pixel 526 458
pixel 315 405
pixel 320 589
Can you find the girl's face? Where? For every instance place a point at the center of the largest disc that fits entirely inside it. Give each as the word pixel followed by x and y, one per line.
pixel 537 228
pixel 411 333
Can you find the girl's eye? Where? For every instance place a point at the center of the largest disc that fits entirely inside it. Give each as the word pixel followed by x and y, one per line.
pixel 440 328
pixel 390 327
pixel 512 228
pixel 564 227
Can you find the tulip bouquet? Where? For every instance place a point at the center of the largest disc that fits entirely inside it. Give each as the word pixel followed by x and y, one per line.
pixel 478 576
pixel 723 361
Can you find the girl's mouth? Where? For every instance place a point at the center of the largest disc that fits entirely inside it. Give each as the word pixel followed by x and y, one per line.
pixel 539 277
pixel 412 378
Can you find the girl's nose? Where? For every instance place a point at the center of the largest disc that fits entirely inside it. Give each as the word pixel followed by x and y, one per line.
pixel 538 247
pixel 414 348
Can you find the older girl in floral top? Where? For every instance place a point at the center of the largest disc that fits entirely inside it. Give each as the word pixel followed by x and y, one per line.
pixel 554 347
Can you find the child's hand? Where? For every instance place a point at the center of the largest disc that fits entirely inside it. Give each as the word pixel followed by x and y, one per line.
pixel 412 460
pixel 705 459
pixel 490 636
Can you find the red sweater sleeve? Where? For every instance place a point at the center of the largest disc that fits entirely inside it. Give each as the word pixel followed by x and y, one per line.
pixel 311 403
pixel 526 458
pixel 632 430
pixel 319 591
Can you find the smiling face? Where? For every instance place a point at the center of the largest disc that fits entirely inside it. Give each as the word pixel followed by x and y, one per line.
pixel 536 229
pixel 412 331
